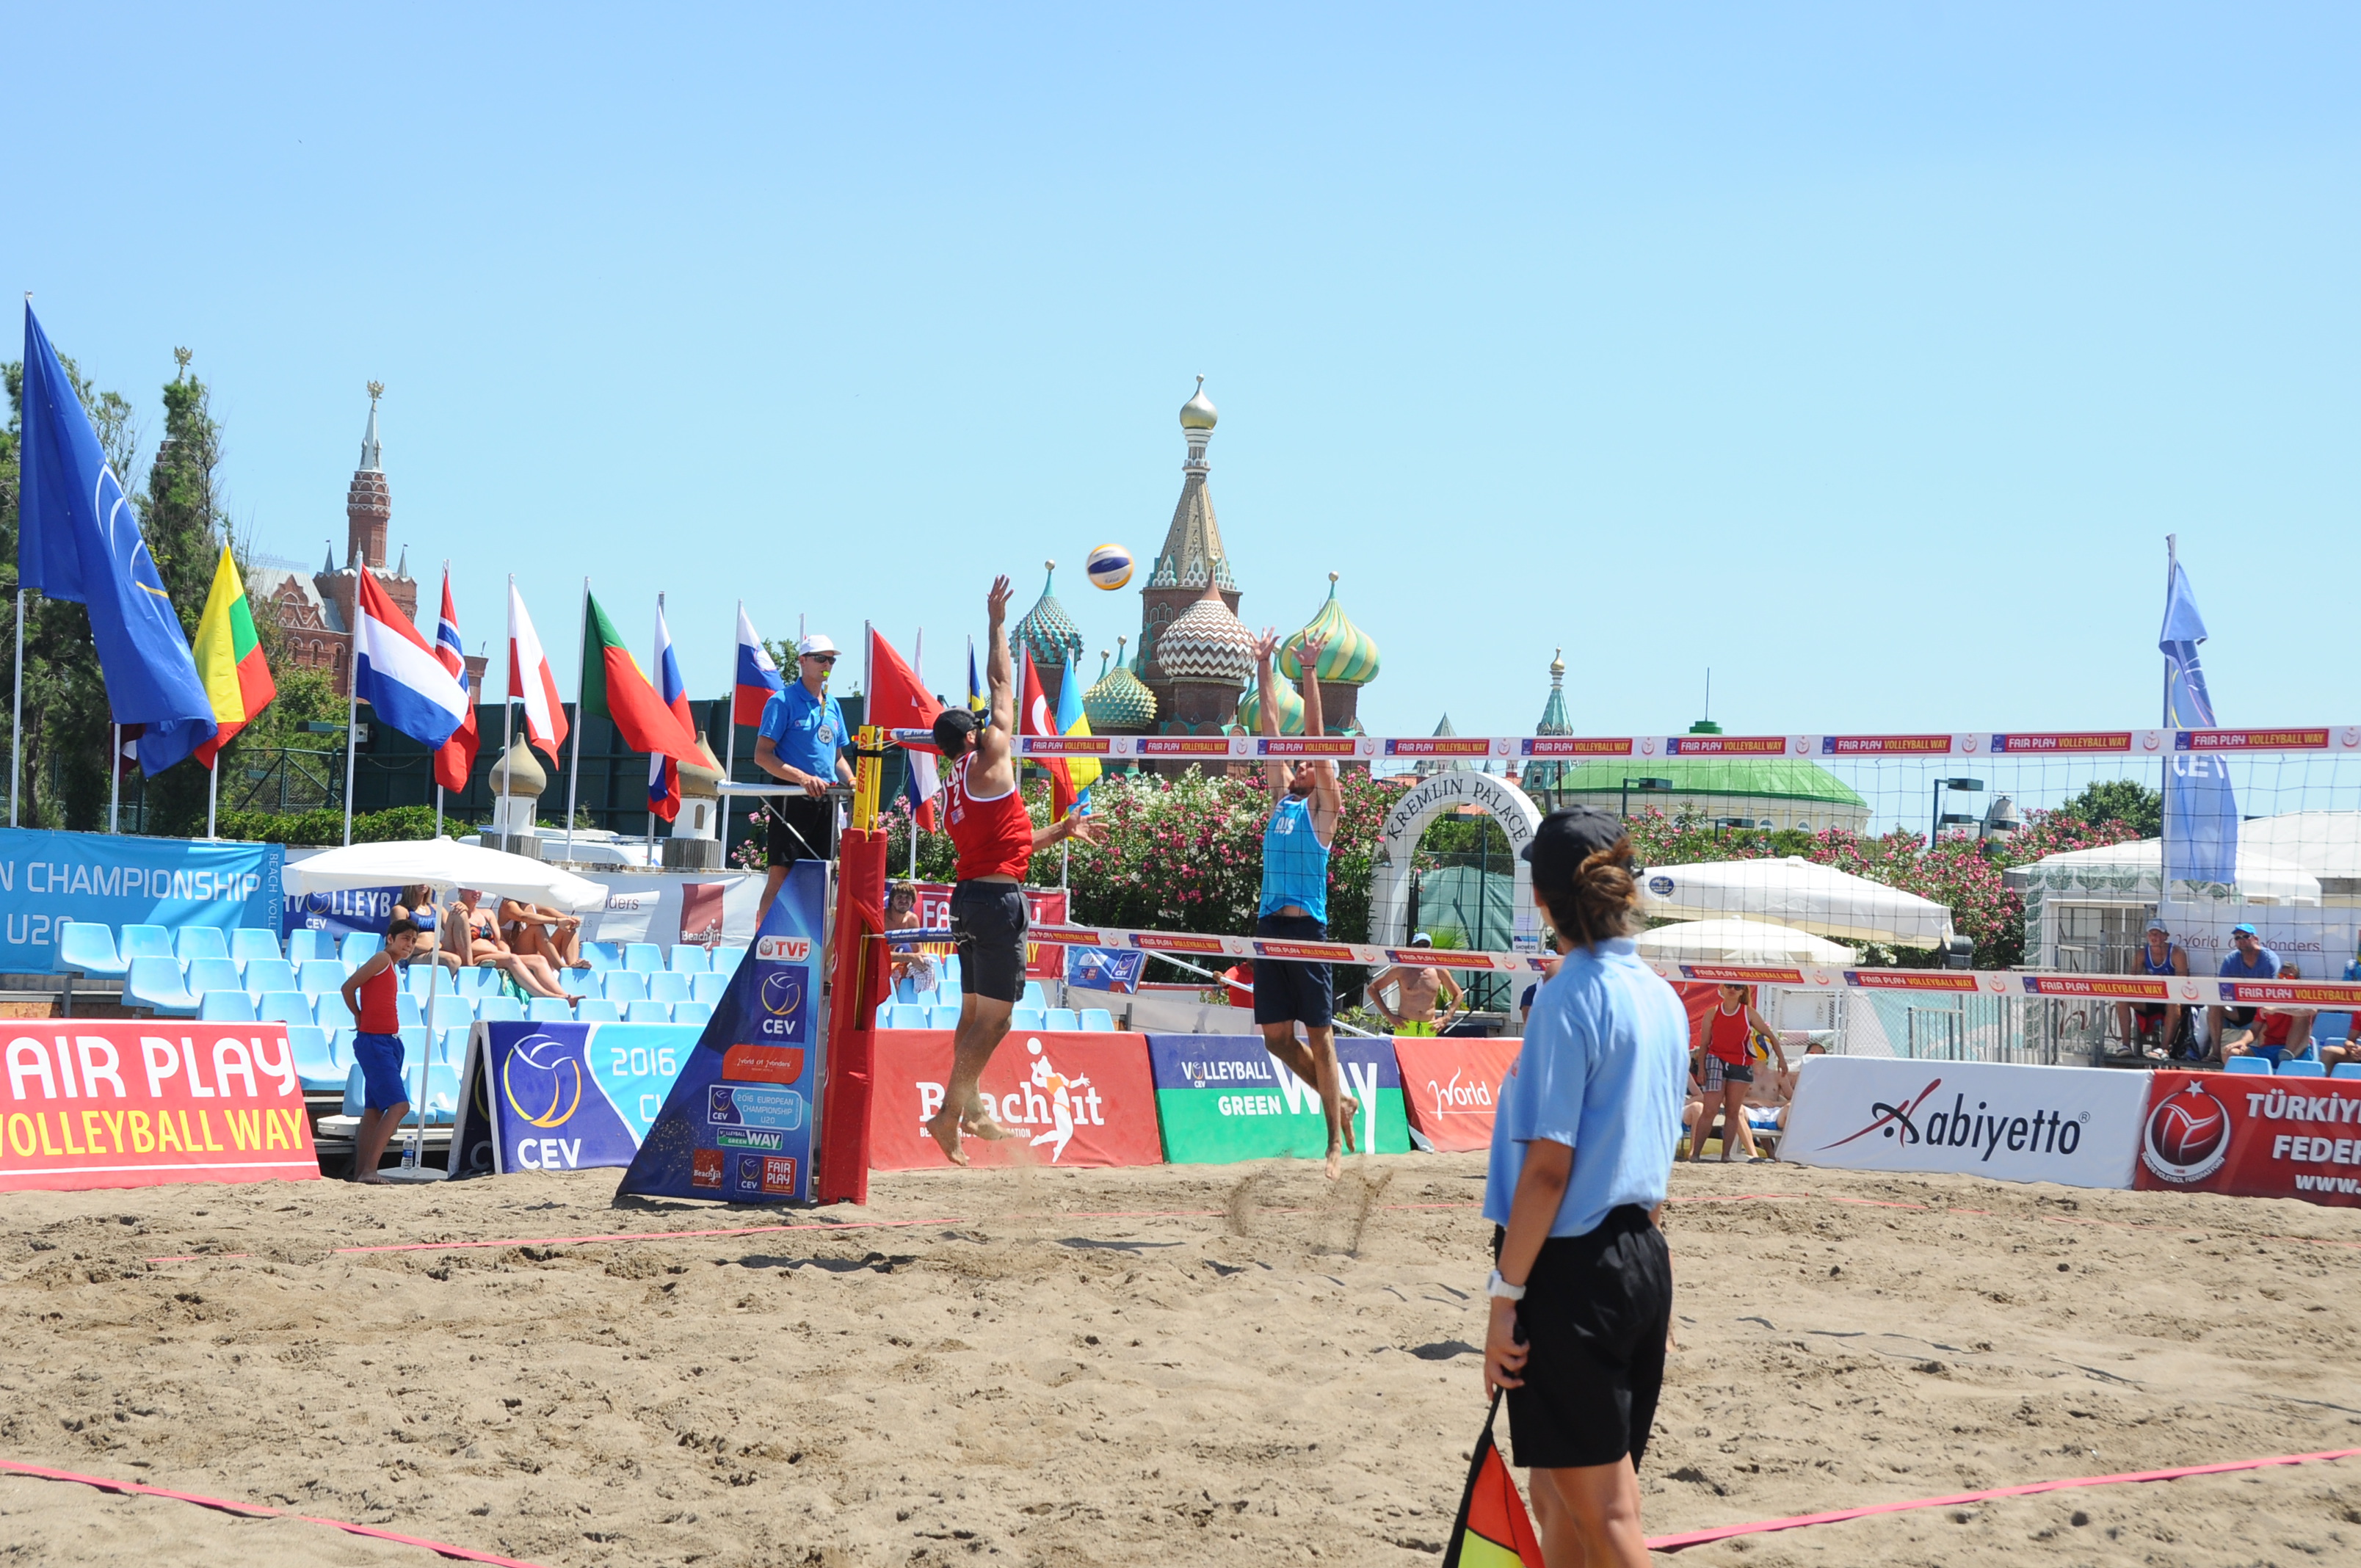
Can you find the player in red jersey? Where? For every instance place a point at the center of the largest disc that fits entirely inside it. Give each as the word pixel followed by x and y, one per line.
pixel 985 815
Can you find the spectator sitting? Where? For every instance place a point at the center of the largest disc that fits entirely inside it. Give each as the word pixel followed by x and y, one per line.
pixel 2274 1037
pixel 534 931
pixel 2158 955
pixel 2349 1048
pixel 476 935
pixel 2248 961
pixel 417 907
pixel 909 964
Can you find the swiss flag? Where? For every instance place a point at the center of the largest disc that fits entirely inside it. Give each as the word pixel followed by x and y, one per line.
pixel 896 701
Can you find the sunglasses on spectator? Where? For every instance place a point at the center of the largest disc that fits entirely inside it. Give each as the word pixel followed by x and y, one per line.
pixel 821 658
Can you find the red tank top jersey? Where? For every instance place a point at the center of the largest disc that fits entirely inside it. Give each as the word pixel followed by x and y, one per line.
pixel 995 837
pixel 1726 1035
pixel 380 1013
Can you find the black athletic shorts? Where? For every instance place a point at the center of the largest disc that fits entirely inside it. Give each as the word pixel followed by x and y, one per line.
pixel 2240 1017
pixel 1596 1311
pixel 814 821
pixel 988 930
pixel 1290 991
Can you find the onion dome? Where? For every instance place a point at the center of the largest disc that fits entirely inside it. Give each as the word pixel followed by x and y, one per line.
pixel 1207 642
pixel 518 774
pixel 1198 413
pixel 1291 709
pixel 1350 658
pixel 1048 630
pixel 1120 700
pixel 701 780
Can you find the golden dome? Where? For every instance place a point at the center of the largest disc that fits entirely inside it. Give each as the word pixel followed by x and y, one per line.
pixel 1198 412
pixel 701 780
pixel 518 774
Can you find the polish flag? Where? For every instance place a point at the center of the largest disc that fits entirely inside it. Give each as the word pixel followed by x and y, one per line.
pixel 456 760
pixel 530 683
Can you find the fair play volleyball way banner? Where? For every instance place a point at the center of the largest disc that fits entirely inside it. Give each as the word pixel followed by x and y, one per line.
pixel 2076 1125
pixel 563 1096
pixel 138 1104
pixel 1225 1097
pixel 1065 1098
pixel 2253 1136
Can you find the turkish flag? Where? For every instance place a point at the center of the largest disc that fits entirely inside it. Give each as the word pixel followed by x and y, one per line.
pixel 1034 717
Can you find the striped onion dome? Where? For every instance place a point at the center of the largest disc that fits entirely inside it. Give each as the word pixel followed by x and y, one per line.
pixel 1350 658
pixel 1048 630
pixel 1120 700
pixel 1207 642
pixel 1291 709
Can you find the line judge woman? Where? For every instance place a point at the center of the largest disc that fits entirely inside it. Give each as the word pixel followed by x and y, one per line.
pixel 1582 1149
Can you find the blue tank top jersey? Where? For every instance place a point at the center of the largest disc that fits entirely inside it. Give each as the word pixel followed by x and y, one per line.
pixel 2151 966
pixel 1294 861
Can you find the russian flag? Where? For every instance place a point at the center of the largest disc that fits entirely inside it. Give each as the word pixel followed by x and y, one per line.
pixel 664 774
pixel 530 681
pixel 456 759
pixel 758 676
pixel 398 675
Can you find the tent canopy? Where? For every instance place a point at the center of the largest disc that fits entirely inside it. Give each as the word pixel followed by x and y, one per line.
pixel 439 863
pixel 1741 941
pixel 2135 867
pixel 1796 892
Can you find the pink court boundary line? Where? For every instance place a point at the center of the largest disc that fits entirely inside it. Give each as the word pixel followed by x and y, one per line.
pixel 257 1510
pixel 1763 1527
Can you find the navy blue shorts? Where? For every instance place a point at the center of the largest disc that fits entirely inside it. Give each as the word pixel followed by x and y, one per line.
pixel 1289 991
pixel 379 1056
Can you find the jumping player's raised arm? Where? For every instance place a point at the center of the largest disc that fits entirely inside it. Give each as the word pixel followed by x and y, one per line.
pixel 1276 775
pixel 995 772
pixel 1327 794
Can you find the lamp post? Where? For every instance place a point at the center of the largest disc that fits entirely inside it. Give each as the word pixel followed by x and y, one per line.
pixel 1630 784
pixel 1951 818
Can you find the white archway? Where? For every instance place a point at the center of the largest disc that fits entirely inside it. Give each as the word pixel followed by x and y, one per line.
pixel 1514 810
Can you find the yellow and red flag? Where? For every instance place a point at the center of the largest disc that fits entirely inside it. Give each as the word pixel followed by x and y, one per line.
pixel 1492 1530
pixel 229 658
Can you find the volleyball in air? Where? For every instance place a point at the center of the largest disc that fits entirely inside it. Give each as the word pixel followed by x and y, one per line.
pixel 1109 567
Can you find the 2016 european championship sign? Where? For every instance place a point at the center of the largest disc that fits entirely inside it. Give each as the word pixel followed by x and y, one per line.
pixel 537 1096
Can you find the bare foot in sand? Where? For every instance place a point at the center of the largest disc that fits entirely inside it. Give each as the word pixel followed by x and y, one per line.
pixel 978 1123
pixel 944 1127
pixel 372 1180
pixel 1335 1163
pixel 1348 1112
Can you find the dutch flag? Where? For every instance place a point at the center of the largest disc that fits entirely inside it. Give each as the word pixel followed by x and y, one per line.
pixel 758 676
pixel 398 675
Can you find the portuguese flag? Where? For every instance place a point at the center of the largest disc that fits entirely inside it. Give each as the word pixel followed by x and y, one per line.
pixel 229 658
pixel 1492 1530
pixel 614 684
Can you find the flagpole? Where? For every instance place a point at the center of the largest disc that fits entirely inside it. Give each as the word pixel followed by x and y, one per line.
pixel 918 668
pixel 581 683
pixel 652 763
pixel 352 723
pixel 508 721
pixel 17 723
pixel 114 773
pixel 730 743
pixel 212 797
pixel 438 811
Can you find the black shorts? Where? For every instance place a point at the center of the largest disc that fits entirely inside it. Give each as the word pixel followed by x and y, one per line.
pixel 988 931
pixel 1288 991
pixel 2240 1017
pixel 814 821
pixel 1596 1311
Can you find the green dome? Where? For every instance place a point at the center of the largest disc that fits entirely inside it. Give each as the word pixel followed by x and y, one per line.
pixel 1120 700
pixel 1350 657
pixel 1775 778
pixel 1291 710
pixel 1048 630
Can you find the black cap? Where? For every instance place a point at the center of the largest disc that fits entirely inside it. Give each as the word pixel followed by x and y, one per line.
pixel 954 727
pixel 1567 839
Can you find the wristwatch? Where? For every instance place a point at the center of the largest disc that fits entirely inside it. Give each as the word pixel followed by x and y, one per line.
pixel 1500 1288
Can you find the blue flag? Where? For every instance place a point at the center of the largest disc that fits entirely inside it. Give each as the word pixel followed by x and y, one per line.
pixel 2201 810
pixel 77 538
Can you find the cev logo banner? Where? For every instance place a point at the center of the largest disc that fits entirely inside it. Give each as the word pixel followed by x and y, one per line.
pixel 565 1096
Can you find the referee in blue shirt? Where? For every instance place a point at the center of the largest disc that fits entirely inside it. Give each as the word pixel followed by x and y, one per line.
pixel 802 741
pixel 1582 1150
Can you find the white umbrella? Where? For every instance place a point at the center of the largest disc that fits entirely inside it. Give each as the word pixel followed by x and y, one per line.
pixel 1796 893
pixel 1741 941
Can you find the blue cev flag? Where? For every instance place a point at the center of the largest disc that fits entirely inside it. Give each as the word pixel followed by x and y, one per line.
pixel 2201 810
pixel 78 538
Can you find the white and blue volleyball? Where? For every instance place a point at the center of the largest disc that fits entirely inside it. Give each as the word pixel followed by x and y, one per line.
pixel 1109 567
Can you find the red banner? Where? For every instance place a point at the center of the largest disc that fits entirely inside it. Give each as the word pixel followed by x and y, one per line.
pixel 1451 1088
pixel 2253 1136
pixel 1066 1099
pixel 142 1104
pixel 1043 906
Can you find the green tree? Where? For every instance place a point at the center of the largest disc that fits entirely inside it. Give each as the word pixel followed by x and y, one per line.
pixel 2126 801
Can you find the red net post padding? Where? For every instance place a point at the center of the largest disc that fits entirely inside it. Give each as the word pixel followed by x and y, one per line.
pixel 861 974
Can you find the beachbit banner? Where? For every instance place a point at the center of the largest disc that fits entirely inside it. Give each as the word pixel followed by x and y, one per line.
pixel 1225 1097
pixel 116 878
pixel 2078 1127
pixel 2253 1136
pixel 738 1122
pixel 1452 1088
pixel 563 1096
pixel 139 1104
pixel 1064 1098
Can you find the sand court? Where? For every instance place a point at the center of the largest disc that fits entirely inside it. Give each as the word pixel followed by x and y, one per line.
pixel 1174 1365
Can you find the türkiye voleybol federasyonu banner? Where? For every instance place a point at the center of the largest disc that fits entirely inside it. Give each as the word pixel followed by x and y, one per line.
pixel 115 878
pixel 739 1123
pixel 563 1096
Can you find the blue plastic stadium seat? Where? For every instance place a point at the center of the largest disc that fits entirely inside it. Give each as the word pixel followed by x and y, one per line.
pixel 942 1017
pixel 405 1008
pixel 884 1016
pixel 451 1046
pixel 413 1046
pixel 310 944
pixel 908 1016
pixel 248 943
pixel 155 982
pixel 667 986
pixel 2247 1064
pixel 355 1091
pixel 2345 1069
pixel 85 946
pixel 478 980
pixel 597 1010
pixel 949 963
pixel 626 985
pixel 145 942
pixel 2330 1029
pixel 601 956
pixel 579 981
pixel 211 974
pixel 416 978
pixel 1061 1018
pixel 698 1013
pixel 546 1010
pixel 359 945
pixel 688 958
pixel 1033 1018
pixel 645 957
pixel 707 988
pixel 504 1009
pixel 289 1007
pixel 453 1012
pixel 340 1043
pixel 264 976
pixel 1034 996
pixel 321 977
pixel 200 942
pixel 726 959
pixel 316 1067
pixel 2302 1070
pixel 330 1013
pixel 1098 1020
pixel 442 1095
pixel 646 1011
pixel 225 1007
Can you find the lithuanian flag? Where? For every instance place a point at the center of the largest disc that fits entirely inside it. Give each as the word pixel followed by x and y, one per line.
pixel 1492 1530
pixel 614 684
pixel 229 658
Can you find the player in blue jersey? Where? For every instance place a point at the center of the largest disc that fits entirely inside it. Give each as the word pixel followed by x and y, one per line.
pixel 1305 804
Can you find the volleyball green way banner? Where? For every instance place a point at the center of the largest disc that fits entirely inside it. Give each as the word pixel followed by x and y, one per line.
pixel 1223 1097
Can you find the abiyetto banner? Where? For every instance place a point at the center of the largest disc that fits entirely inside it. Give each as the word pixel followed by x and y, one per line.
pixel 1225 1097
pixel 1451 1087
pixel 1066 1099
pixel 116 878
pixel 2078 1125
pixel 563 1096
pixel 140 1104
pixel 2252 1136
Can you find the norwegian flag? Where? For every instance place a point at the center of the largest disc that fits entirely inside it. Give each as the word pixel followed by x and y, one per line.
pixel 456 758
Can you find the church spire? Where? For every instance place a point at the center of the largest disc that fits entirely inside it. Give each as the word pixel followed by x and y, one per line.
pixel 372 455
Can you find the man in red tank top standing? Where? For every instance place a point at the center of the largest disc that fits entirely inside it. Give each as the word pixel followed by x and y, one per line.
pixel 985 815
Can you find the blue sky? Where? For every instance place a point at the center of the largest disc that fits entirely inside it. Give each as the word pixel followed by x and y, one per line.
pixel 1863 353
